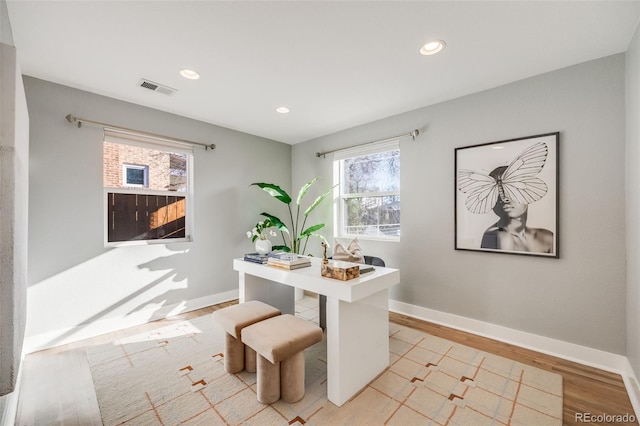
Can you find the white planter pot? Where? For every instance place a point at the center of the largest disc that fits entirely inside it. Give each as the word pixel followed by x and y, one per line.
pixel 263 246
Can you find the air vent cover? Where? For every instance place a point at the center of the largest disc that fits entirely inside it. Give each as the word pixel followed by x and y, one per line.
pixel 156 87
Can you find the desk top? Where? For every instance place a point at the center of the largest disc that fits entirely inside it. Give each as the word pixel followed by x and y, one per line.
pixel 310 279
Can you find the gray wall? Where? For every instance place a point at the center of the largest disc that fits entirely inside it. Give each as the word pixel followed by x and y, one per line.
pixel 74 281
pixel 578 298
pixel 6 34
pixel 633 203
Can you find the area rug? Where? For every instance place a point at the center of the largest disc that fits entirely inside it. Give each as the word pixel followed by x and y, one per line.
pixel 175 376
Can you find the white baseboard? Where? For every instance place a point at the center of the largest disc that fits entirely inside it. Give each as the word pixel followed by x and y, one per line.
pixel 98 327
pixel 570 351
pixel 633 388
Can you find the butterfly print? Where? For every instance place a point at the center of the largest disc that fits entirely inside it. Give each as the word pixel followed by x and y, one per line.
pixel 517 184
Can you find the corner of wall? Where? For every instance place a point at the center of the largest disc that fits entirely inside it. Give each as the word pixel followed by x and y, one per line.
pixel 632 95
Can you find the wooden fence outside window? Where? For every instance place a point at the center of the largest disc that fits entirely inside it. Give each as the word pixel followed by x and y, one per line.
pixel 134 217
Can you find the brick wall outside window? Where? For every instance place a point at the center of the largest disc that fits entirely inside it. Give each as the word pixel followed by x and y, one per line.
pixel 166 169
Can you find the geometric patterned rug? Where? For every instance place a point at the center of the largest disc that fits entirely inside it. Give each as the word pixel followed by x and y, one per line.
pixel 174 375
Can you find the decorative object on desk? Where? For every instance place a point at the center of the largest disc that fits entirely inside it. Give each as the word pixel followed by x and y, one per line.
pixel 258 236
pixel 353 252
pixel 263 246
pixel 297 233
pixel 288 261
pixel 324 253
pixel 340 270
pixel 322 299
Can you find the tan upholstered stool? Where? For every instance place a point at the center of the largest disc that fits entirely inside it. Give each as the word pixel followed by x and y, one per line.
pixel 233 319
pixel 280 342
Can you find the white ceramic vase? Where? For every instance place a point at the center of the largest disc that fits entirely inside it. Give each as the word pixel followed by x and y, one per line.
pixel 263 246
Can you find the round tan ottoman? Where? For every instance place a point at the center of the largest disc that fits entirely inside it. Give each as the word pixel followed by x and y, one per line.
pixel 234 319
pixel 280 343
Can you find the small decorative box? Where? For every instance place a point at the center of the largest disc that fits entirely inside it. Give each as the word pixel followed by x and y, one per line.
pixel 340 270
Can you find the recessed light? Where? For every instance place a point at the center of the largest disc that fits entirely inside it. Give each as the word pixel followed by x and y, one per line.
pixel 190 74
pixel 432 47
pixel 497 147
pixel 282 110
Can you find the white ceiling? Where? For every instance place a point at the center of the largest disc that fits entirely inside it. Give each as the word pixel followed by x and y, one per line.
pixel 335 64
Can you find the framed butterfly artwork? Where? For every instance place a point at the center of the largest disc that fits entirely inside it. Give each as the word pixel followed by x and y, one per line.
pixel 507 197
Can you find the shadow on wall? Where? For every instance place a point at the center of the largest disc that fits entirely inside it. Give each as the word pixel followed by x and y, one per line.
pixel 165 301
pixel 175 265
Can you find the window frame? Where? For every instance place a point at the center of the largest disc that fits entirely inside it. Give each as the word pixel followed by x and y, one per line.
pixel 157 143
pixel 339 195
pixel 145 170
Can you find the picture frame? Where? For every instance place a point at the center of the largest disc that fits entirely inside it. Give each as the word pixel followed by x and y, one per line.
pixel 506 196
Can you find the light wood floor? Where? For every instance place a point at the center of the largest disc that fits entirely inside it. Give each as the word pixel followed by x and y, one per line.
pixel 585 389
pixel 57 389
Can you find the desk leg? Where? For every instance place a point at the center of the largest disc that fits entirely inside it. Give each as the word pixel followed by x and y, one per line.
pixel 270 292
pixel 357 344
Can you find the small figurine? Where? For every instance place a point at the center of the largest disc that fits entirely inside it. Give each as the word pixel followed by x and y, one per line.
pixel 324 254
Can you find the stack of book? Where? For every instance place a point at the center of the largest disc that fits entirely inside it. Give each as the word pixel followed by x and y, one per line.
pixel 288 261
pixel 256 258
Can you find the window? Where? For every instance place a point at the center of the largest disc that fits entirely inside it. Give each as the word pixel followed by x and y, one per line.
pixel 368 200
pixel 135 175
pixel 147 186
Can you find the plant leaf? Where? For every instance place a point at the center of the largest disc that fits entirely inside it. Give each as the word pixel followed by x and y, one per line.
pixel 276 222
pixel 324 240
pixel 275 191
pixel 317 201
pixel 310 230
pixel 304 189
pixel 283 248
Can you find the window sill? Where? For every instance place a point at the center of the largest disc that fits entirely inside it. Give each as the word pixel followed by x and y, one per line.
pixel 147 242
pixel 368 237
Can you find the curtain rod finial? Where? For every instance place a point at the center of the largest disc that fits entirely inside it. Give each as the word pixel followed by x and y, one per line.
pixel 71 118
pixel 414 134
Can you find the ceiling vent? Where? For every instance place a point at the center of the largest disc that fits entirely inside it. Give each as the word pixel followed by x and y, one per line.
pixel 156 87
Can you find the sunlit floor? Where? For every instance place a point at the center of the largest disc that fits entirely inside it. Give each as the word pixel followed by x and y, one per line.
pixel 57 388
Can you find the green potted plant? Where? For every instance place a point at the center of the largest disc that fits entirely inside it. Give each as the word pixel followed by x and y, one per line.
pixel 258 236
pixel 295 236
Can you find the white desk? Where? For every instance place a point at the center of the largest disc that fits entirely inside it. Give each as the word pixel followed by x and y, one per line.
pixel 357 317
